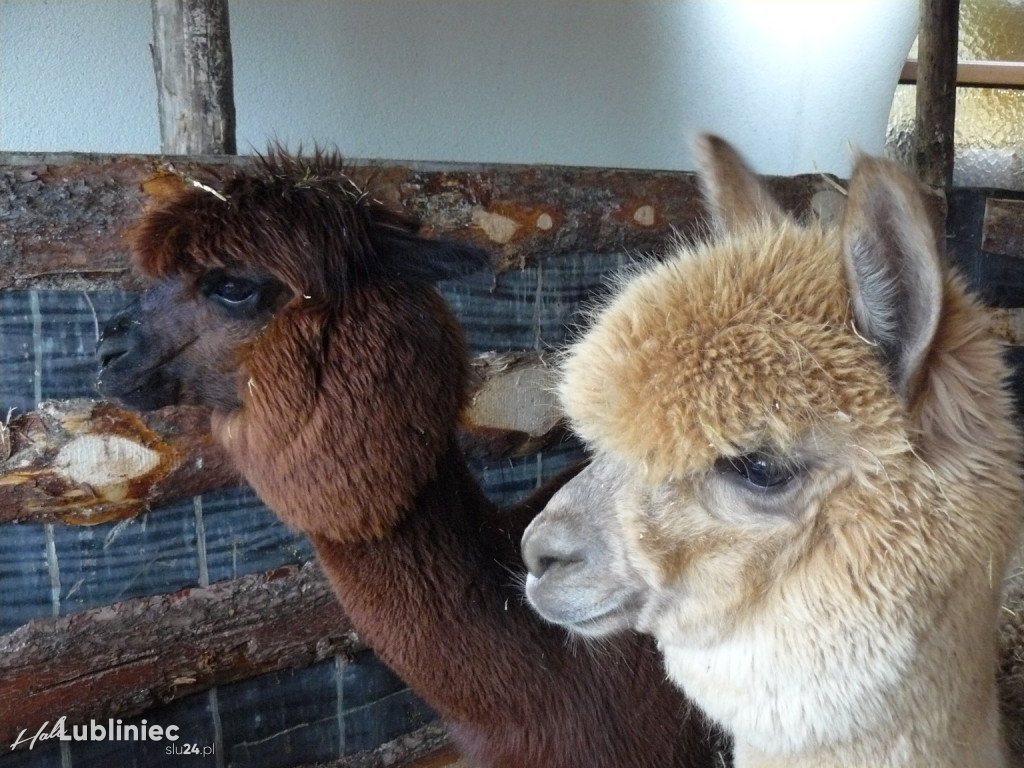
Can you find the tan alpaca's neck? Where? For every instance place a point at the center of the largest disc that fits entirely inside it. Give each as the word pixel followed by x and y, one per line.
pixel 901 746
pixel 892 755
pixel 939 710
pixel 929 726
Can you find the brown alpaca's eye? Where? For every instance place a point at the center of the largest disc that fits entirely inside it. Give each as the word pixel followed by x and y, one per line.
pixel 759 470
pixel 236 294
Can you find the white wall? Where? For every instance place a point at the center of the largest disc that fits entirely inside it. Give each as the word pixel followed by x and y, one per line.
pixel 578 82
pixel 77 75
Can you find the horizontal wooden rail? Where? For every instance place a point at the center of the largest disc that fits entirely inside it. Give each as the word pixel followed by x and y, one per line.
pixel 84 462
pixel 65 215
pixel 120 660
pixel 426 747
pixel 976 74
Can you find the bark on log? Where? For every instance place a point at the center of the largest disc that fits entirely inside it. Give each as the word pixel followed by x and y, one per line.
pixel 84 462
pixel 426 747
pixel 65 215
pixel 192 61
pixel 120 660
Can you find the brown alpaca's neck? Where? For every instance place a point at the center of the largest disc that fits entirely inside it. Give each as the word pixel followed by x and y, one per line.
pixel 439 601
pixel 345 415
pixel 347 433
pixel 440 591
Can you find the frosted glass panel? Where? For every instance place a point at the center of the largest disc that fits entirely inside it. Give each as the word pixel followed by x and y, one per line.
pixel 989 131
pixel 992 30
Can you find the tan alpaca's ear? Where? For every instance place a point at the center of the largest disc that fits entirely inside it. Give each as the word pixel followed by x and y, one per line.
pixel 734 196
pixel 894 268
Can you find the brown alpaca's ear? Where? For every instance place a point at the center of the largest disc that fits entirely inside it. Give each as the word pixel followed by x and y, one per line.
pixel 162 186
pixel 735 197
pixel 894 268
pixel 412 257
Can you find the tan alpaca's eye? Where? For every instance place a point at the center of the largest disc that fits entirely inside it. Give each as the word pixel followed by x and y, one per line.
pixel 758 470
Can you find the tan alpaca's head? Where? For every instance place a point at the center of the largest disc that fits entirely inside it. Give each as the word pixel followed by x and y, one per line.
pixel 804 481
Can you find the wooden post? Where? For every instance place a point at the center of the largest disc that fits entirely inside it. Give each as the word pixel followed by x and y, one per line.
pixel 192 59
pixel 936 91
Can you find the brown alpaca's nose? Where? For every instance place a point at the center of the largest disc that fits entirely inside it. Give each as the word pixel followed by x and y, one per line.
pixel 116 340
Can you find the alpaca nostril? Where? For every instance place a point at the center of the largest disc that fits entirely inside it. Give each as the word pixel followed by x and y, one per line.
pixel 110 349
pixel 547 562
pixel 555 550
pixel 119 337
pixel 543 564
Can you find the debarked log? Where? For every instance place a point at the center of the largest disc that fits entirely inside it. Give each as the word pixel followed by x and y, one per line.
pixel 513 410
pixel 123 659
pixel 84 462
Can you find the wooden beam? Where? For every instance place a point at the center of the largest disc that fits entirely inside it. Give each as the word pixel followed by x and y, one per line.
pixel 936 92
pixel 65 215
pixel 120 660
pixel 975 74
pixel 83 462
pixel 426 747
pixel 192 61
pixel 513 410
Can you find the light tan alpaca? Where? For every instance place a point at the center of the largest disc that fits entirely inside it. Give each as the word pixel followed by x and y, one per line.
pixel 804 483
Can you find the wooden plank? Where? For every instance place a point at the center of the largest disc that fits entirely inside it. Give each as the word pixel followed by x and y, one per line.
pixel 64 215
pixel 192 61
pixel 446 757
pixel 975 74
pixel 1002 230
pixel 123 659
pixel 83 462
pixel 936 92
pixel 426 747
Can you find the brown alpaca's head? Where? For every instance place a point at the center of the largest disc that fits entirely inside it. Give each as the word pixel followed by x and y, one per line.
pixel 303 312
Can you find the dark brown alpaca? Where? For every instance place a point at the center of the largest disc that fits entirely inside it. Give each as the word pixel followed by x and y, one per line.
pixel 303 312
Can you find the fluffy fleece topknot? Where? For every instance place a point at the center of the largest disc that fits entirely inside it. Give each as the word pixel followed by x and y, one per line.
pixel 724 348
